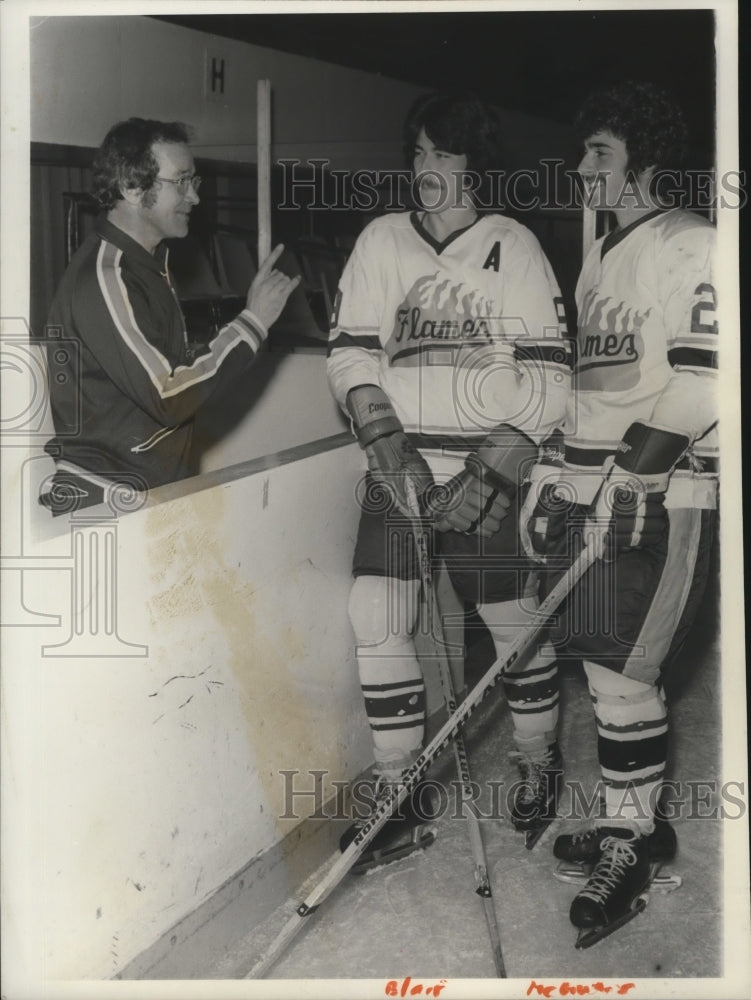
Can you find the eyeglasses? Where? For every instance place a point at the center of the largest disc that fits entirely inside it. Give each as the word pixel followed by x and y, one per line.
pixel 183 183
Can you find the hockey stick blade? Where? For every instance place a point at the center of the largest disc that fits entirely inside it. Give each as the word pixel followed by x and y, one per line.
pixel 410 777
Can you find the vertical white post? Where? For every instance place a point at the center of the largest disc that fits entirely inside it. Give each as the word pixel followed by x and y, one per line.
pixel 263 120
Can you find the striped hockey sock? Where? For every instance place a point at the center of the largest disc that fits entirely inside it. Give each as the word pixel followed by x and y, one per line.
pixel 532 691
pixel 632 743
pixel 383 611
pixel 395 707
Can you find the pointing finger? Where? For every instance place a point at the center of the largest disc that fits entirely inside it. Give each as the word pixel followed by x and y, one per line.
pixel 272 258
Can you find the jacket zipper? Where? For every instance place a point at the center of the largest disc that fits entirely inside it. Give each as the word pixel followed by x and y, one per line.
pixel 189 352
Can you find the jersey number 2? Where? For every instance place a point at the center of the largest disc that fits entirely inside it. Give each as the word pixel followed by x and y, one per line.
pixel 702 315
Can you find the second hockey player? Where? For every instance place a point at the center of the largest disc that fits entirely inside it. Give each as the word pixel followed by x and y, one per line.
pixel 638 480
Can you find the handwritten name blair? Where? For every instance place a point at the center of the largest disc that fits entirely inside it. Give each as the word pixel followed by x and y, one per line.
pixel 406 988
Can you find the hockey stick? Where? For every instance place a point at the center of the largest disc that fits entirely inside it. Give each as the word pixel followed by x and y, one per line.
pixel 395 796
pixel 482 886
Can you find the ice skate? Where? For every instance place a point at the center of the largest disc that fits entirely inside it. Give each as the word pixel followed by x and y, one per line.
pixel 408 829
pixel 536 798
pixel 578 852
pixel 614 893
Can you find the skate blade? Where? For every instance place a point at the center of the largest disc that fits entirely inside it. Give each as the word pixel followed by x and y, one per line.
pixel 662 881
pixel 572 873
pixel 577 874
pixel 591 935
pixel 379 859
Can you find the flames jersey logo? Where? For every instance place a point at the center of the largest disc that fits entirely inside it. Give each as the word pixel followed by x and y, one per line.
pixel 610 344
pixel 439 311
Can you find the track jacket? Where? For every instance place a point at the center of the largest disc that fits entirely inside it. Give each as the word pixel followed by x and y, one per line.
pixel 124 386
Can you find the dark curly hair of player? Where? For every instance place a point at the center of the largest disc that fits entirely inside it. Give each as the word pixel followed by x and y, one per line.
pixel 125 158
pixel 457 123
pixel 643 116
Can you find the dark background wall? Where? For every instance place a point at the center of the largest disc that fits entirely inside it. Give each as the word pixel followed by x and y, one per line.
pixel 539 62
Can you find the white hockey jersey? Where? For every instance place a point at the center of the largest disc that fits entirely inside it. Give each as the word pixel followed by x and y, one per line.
pixel 647 349
pixel 461 335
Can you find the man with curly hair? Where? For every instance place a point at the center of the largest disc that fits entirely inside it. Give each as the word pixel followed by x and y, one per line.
pixel 638 481
pixel 447 353
pixel 123 406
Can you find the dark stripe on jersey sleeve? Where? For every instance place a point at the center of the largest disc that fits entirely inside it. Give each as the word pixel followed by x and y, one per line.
pixel 557 353
pixel 430 345
pixel 692 357
pixel 369 342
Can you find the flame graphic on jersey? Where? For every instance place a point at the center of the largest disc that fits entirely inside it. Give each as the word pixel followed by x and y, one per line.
pixel 610 344
pixel 438 311
pixel 447 295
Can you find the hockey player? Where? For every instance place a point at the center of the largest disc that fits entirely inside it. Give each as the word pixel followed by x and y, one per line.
pixel 447 353
pixel 638 480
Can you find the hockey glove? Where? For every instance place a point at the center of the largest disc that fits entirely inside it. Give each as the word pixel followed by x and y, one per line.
pixel 628 511
pixel 480 496
pixel 542 516
pixel 392 459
